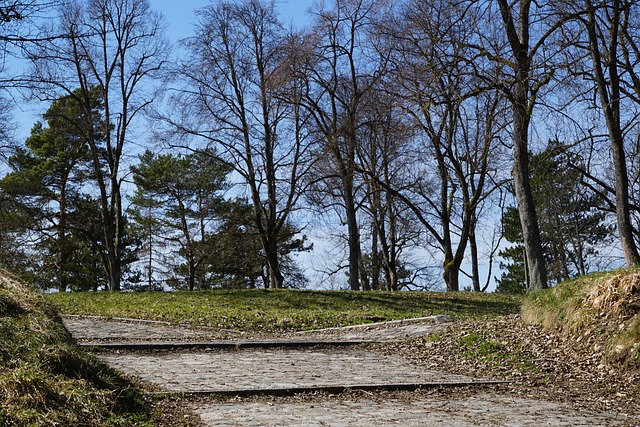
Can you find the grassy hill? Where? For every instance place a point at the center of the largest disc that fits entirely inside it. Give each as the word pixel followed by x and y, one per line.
pixel 593 321
pixel 260 310
pixel 602 310
pixel 45 380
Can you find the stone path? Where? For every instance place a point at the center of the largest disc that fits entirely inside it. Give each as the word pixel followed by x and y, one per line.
pixel 96 330
pixel 435 411
pixel 278 370
pixel 236 372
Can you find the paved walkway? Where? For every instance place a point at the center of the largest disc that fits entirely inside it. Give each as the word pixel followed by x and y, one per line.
pixel 277 370
pixel 95 330
pixel 435 411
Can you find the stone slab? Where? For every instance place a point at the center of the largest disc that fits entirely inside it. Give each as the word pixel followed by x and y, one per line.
pixel 479 410
pixel 93 330
pixel 218 345
pixel 227 371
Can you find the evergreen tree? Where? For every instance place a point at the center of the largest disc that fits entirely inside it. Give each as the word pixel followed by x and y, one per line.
pixel 570 226
pixel 48 175
pixel 176 202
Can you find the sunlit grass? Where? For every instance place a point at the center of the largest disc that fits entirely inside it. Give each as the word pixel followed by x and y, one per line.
pixel 283 310
pixel 603 307
pixel 45 380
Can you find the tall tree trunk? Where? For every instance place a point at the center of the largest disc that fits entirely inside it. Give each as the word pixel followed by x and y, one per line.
pixel 522 109
pixel 63 250
pixel 452 272
pixel 609 92
pixel 118 237
pixel 270 246
pixel 524 196
pixel 353 233
pixel 475 271
pixel 191 279
pixel 276 278
pixel 375 259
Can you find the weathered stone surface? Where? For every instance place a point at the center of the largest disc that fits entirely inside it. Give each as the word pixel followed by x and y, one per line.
pixel 481 410
pixel 268 369
pixel 97 329
pixel 224 371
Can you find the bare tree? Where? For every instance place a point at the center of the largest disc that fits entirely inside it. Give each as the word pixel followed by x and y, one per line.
pixel 603 25
pixel 341 68
pixel 386 151
pixel 457 116
pixel 237 86
pixel 602 63
pixel 116 46
pixel 523 52
pixel 17 28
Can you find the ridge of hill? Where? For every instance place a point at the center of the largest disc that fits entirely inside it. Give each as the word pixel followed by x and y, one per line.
pixel 600 310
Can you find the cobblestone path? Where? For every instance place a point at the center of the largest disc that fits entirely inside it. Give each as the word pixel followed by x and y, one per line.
pixel 275 369
pixel 435 411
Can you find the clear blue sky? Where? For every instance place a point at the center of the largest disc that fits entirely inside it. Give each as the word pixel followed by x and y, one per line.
pixel 180 14
pixel 180 18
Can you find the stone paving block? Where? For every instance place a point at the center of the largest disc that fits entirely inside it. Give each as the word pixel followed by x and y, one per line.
pixel 480 410
pixel 130 330
pixel 223 371
pixel 95 328
pixel 267 369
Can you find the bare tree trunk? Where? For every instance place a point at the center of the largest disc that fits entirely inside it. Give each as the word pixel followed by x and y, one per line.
pixel 475 271
pixel 276 279
pixel 375 259
pixel 522 109
pixel 524 196
pixel 63 250
pixel 609 92
pixel 353 233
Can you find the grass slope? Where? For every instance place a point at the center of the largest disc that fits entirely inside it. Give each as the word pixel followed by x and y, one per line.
pixel 45 380
pixel 282 310
pixel 601 309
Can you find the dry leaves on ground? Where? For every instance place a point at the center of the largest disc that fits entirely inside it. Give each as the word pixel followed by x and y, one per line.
pixel 539 363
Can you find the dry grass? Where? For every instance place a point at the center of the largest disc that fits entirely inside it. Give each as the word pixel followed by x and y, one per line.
pixel 602 309
pixel 45 380
pixel 613 294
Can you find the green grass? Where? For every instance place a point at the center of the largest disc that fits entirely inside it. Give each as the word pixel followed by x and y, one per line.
pixel 283 310
pixel 559 307
pixel 476 347
pixel 45 380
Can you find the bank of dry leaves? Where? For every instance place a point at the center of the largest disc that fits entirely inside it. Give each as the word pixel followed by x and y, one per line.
pixel 539 363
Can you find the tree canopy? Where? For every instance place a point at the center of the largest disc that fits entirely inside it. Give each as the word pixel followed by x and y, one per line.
pixel 409 138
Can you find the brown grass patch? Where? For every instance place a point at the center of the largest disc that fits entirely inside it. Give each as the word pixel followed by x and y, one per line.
pixel 603 310
pixel 614 294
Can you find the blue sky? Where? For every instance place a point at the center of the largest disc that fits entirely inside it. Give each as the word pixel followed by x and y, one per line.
pixel 180 18
pixel 180 14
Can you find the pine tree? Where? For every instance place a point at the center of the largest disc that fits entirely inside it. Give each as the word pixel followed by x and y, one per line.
pixel 571 227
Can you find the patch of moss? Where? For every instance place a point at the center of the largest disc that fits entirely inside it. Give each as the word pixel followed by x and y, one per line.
pixel 478 349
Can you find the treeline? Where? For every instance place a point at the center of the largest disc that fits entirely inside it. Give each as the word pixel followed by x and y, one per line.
pixel 413 132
